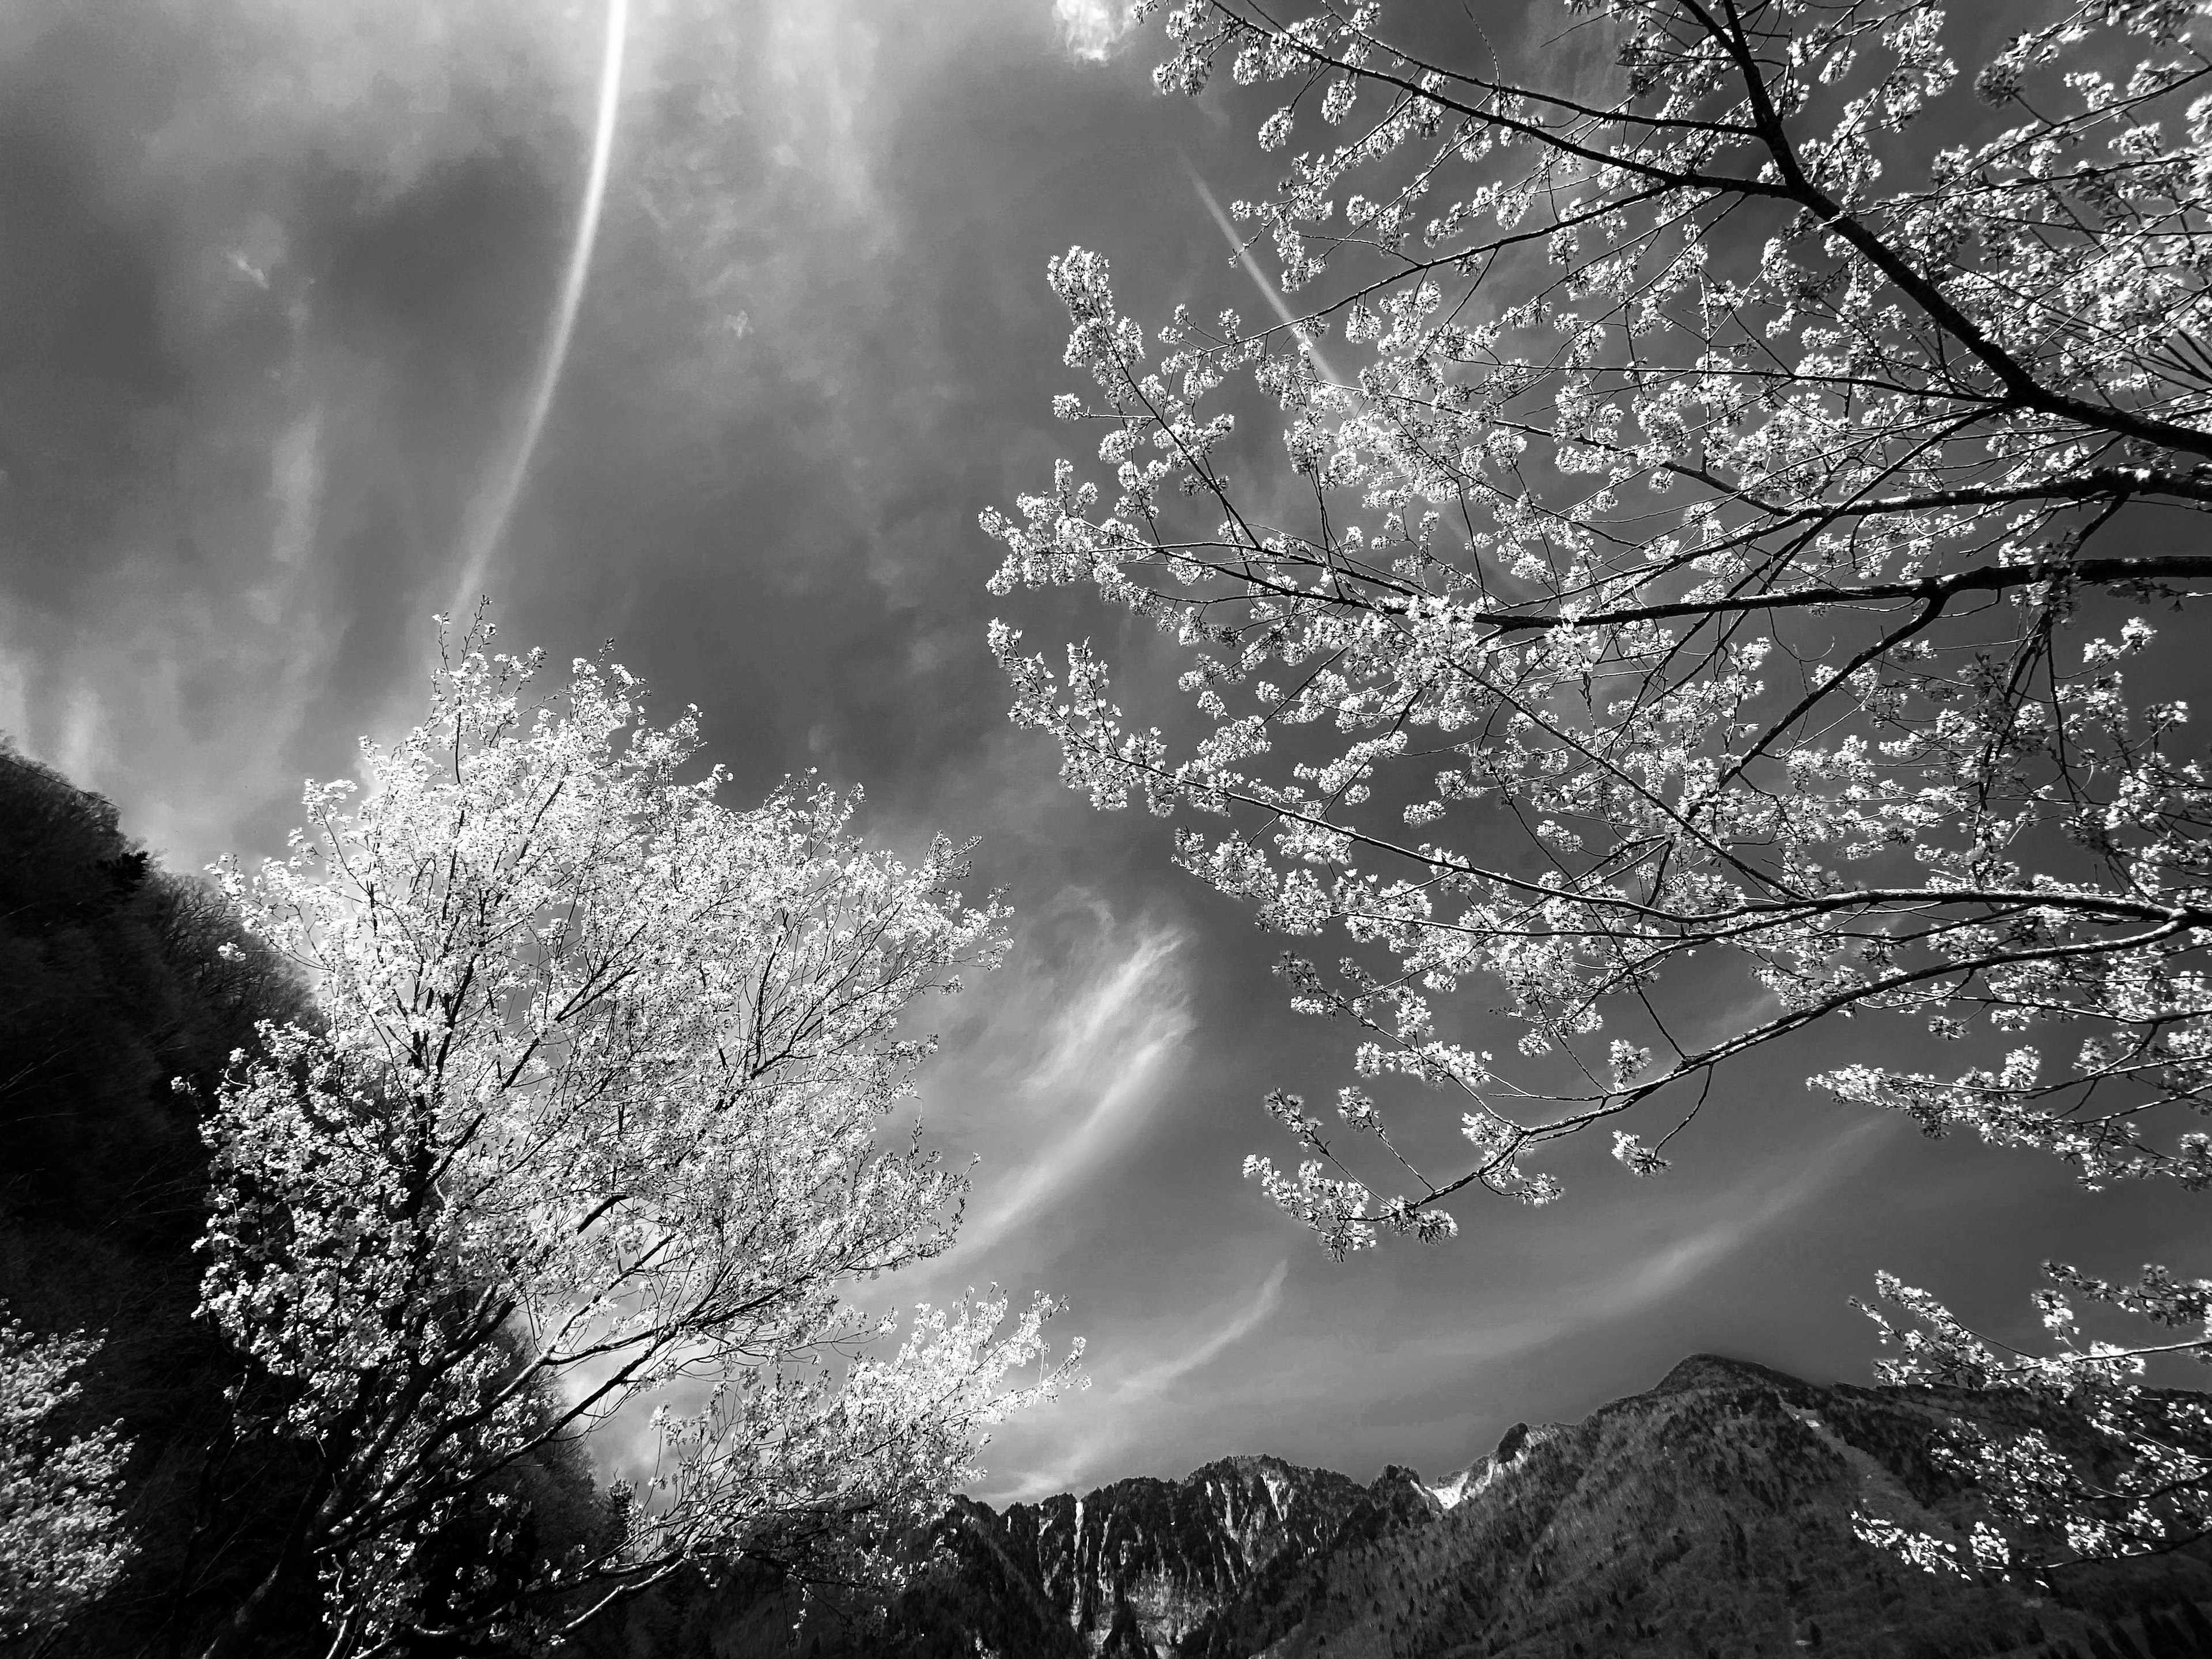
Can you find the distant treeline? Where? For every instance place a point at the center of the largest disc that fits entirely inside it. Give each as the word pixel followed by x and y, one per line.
pixel 125 989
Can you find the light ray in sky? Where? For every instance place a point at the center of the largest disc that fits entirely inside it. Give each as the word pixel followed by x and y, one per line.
pixel 1274 295
pixel 487 521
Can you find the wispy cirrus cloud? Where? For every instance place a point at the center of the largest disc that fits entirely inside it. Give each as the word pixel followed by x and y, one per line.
pixel 1150 1391
pixel 1120 1408
pixel 1157 1378
pixel 1670 1261
pixel 1743 1217
pixel 1085 1096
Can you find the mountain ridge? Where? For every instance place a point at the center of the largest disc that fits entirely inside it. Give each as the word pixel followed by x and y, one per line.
pixel 1706 1518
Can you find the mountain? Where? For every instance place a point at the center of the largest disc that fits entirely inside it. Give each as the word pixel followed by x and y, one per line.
pixel 1709 1518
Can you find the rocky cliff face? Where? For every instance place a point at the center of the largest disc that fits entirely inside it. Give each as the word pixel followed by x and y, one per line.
pixel 1708 1518
pixel 1172 1553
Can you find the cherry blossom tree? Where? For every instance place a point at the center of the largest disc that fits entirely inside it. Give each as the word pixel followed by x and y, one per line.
pixel 63 1540
pixel 1737 526
pixel 589 1135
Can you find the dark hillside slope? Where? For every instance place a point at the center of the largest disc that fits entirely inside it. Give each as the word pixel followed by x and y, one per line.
pixel 113 981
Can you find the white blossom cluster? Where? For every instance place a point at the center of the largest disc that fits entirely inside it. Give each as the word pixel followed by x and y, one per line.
pixel 590 1135
pixel 63 1540
pixel 1737 538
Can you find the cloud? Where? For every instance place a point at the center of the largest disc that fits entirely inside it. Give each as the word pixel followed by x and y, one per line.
pixel 823 60
pixel 187 699
pixel 313 330
pixel 228 474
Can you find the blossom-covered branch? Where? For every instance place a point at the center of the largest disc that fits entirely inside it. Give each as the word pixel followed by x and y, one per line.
pixel 1741 538
pixel 1741 556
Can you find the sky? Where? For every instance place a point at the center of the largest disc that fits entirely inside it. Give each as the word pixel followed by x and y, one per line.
pixel 708 328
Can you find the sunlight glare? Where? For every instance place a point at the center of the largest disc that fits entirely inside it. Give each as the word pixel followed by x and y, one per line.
pixel 1091 29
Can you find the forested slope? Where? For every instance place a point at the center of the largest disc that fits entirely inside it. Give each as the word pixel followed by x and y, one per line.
pixel 114 979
